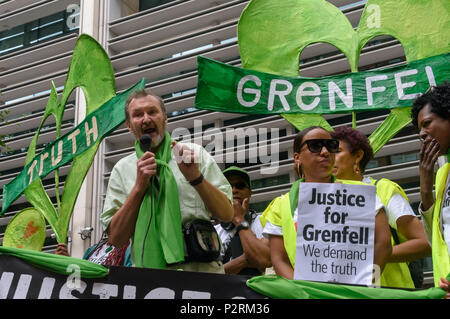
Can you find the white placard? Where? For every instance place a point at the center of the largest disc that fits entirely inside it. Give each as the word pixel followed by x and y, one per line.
pixel 335 233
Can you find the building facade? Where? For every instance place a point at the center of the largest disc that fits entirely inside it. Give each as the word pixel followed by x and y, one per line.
pixel 160 40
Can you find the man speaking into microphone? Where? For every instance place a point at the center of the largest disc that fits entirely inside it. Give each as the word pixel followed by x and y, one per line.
pixel 164 195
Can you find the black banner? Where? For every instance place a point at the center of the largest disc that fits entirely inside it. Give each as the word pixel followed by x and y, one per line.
pixel 20 280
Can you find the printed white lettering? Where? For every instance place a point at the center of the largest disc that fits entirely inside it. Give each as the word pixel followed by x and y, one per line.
pixel 72 136
pixel 59 157
pixel 105 291
pixel 46 288
pixel 301 92
pixel 5 284
pixel 30 170
pixel 430 76
pixel 346 98
pixel 22 287
pixel 41 167
pixel 91 131
pixel 401 86
pixel 256 92
pixel 280 93
pixel 160 293
pixel 370 90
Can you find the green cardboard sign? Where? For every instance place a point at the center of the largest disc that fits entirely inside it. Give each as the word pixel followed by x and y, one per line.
pixel 26 230
pixel 91 70
pixel 272 34
pixel 225 88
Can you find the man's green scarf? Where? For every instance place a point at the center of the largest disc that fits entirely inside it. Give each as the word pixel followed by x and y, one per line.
pixel 158 238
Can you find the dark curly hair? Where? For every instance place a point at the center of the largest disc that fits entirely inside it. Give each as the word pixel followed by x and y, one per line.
pixel 438 97
pixel 355 141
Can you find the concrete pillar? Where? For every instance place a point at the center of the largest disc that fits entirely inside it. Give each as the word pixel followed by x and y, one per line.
pixel 85 209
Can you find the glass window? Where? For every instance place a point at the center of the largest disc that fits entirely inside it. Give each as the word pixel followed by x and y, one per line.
pixel 405 157
pixel 252 161
pixel 148 4
pixel 372 164
pixel 271 181
pixel 36 31
pixel 244 118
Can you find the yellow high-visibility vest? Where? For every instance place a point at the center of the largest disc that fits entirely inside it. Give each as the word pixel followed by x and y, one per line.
pixel 439 250
pixel 394 274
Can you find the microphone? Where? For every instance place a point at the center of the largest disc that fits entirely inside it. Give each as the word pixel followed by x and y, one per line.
pixel 145 141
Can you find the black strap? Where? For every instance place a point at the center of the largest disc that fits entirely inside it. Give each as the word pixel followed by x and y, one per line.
pixel 394 235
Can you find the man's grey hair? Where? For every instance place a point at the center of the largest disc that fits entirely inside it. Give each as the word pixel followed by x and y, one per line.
pixel 143 93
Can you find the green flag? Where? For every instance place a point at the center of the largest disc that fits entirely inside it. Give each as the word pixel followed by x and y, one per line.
pixel 93 128
pixel 226 88
pixel 57 263
pixel 281 288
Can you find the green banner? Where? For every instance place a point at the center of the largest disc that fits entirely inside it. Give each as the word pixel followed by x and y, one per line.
pixel 225 88
pixel 57 263
pixel 93 128
pixel 278 287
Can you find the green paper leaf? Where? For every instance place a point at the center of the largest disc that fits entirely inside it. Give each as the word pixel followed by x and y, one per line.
pixel 422 29
pixel 397 119
pixel 421 26
pixel 272 35
pixel 90 69
pixel 26 230
pixel 302 121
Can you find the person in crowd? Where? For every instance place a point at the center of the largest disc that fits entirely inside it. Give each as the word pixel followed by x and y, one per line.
pixel 351 159
pixel 314 156
pixel 431 116
pixel 244 249
pixel 62 250
pixel 164 194
pixel 102 253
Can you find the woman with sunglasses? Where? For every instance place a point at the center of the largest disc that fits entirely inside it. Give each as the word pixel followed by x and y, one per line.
pixel 314 155
pixel 408 235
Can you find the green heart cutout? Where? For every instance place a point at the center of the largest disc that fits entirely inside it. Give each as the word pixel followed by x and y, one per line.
pixel 91 70
pixel 26 230
pixel 272 34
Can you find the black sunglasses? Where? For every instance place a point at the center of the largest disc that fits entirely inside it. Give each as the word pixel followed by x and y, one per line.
pixel 316 145
pixel 240 185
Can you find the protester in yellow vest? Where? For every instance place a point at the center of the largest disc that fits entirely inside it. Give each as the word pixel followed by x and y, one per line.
pixel 314 156
pixel 431 116
pixel 351 159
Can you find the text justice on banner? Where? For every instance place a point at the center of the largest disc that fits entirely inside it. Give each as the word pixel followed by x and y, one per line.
pixel 335 233
pixel 226 88
pixel 28 274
